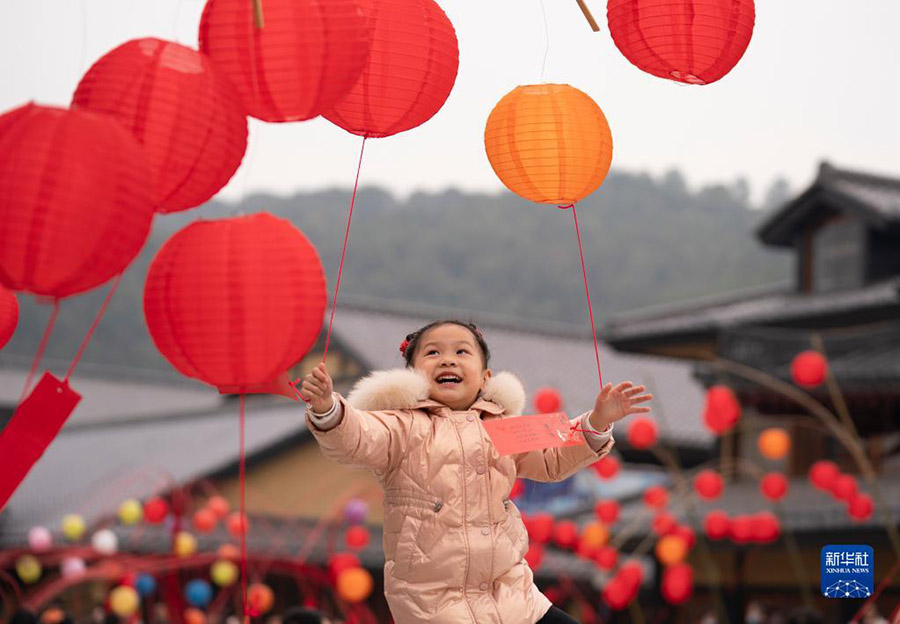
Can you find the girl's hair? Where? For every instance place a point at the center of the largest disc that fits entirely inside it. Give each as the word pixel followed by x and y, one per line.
pixel 412 340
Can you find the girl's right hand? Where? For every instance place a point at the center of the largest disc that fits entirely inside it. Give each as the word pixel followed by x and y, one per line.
pixel 317 389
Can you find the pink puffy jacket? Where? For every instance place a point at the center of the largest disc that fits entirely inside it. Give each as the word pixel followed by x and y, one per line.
pixel 454 543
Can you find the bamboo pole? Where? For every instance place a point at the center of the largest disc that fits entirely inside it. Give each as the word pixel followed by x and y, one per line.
pixel 258 18
pixel 587 15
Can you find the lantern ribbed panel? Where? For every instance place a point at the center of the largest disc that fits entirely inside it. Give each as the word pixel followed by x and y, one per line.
pixel 410 71
pixel 549 143
pixel 75 200
pixel 235 302
pixel 180 107
pixel 9 315
pixel 690 41
pixel 308 54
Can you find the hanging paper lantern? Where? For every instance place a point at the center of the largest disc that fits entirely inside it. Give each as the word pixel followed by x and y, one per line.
pixel 72 567
pixel 535 555
pixel 656 497
pixel 708 484
pixel 809 369
pixel 774 486
pixel 641 433
pixel 606 467
pixel 40 539
pixel 663 523
pixel 75 200
pixel 124 601
pixel 357 537
pixel 198 593
pixel 607 511
pixel 237 523
pixel 340 562
pixel 105 542
pixel 722 410
pixel 354 585
pixel 844 488
pixel 541 529
pixel 689 41
pixel 547 401
pixel 565 534
pixel 155 510
pixel 145 585
pixel 594 535
pixel 606 557
pixel 717 525
pixel 260 599
pixel 305 57
pixel 73 527
pixel 224 573
pixel 549 143
pixel 9 315
pixel 29 569
pixel 766 527
pixel 671 549
pixel 677 583
pixel 235 302
pixel 185 544
pixel 204 520
pixel 179 106
pixel 218 506
pixel 632 574
pixel 131 512
pixel 229 552
pixel 743 529
pixel 193 615
pixel 774 443
pixel 616 594
pixel 409 73
pixel 823 474
pixel 860 507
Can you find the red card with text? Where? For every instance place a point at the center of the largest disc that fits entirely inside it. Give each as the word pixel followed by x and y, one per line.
pixel 521 434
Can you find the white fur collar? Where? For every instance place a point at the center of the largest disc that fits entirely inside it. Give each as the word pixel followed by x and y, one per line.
pixel 404 388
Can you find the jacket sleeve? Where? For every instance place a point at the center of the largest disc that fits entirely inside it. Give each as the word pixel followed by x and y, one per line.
pixel 372 440
pixel 560 463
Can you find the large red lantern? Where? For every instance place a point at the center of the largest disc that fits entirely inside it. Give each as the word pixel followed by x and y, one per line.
pixel 409 73
pixel 75 200
pixel 809 369
pixel 235 302
pixel 722 410
pixel 689 41
pixel 677 583
pixel 9 315
pixel 180 107
pixel 535 555
pixel 616 594
pixel 547 400
pixel 297 64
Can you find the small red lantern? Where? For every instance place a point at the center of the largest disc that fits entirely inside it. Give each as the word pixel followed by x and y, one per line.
pixel 607 511
pixel 541 528
pixel 260 599
pixel 642 433
pixel 606 467
pixel 409 73
pixel 743 529
pixel 656 497
pixel 774 486
pixel 677 583
pixel 723 411
pixel 219 506
pixel 547 400
pixel 155 510
pixel 823 474
pixel 535 555
pixel 687 534
pixel 237 523
pixel 690 41
pixel 606 557
pixel 616 594
pixel 766 527
pixel 184 112
pixel 300 63
pixel 341 562
pixel 357 537
pixel 860 507
pixel 844 488
pixel 565 534
pixel 808 369
pixel 75 200
pixel 235 302
pixel 663 523
pixel 632 574
pixel 717 525
pixel 205 520
pixel 9 315
pixel 708 484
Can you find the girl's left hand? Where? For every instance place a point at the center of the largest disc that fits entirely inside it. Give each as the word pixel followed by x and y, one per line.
pixel 615 403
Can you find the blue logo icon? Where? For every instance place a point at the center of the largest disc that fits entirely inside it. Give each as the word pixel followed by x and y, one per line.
pixel 848 571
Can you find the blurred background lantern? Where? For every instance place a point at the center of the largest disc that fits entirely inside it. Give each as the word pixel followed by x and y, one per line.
pixel 354 585
pixel 218 506
pixel 260 598
pixel 541 528
pixel 145 584
pixel 40 539
pixel 105 542
pixel 224 573
pixel 844 487
pixel 549 143
pixel 677 583
pixel 124 601
pixel 193 615
pixel 774 443
pixel 73 527
pixel 29 569
pixel 656 497
pixel 198 593
pixel 299 62
pixel 663 523
pixel 409 73
pixel 235 302
pixel 75 200
pixel 131 512
pixel 357 537
pixel 616 594
pixel 72 567
pixel 185 544
pixel 606 557
pixel 823 473
pixel 179 106
pixel 689 41
pixel 722 410
pixel 155 510
pixel 535 555
pixel 547 401
pixel 708 484
pixel 717 525
pixel 671 549
pixel 594 535
pixel 9 315
pixel 774 486
pixel 237 523
pixel 565 534
pixel 204 520
pixel 641 432
pixel 860 507
pixel 766 527
pixel 607 511
pixel 742 528
pixel 809 369
pixel 606 467
pixel 355 511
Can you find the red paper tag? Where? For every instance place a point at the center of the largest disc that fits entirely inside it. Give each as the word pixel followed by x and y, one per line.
pixel 32 428
pixel 521 434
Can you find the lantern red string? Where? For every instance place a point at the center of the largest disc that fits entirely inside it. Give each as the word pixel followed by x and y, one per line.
pixel 35 363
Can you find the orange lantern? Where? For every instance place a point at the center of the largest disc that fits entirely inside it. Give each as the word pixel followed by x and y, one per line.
pixel 594 535
pixel 193 615
pixel 549 143
pixel 774 443
pixel 260 598
pixel 671 549
pixel 354 585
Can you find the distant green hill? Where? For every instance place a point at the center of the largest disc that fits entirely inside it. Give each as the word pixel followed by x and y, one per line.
pixel 646 241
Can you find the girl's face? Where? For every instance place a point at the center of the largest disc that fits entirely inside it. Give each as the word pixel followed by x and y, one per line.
pixel 451 360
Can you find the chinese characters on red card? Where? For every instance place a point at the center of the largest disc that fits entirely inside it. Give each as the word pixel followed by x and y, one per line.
pixel 521 434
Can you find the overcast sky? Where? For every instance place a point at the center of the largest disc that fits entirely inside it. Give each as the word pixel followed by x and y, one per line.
pixel 819 80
